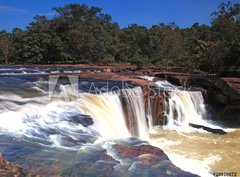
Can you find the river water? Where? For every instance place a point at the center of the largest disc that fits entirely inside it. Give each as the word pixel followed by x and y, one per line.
pixel 66 125
pixel 200 152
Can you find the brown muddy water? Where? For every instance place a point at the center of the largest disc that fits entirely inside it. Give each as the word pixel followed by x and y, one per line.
pixel 201 152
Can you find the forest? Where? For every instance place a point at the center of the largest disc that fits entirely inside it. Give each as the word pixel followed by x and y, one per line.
pixel 82 34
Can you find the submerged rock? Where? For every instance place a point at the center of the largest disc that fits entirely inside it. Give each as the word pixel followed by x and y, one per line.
pixel 94 163
pixel 85 120
pixel 9 169
pixel 126 158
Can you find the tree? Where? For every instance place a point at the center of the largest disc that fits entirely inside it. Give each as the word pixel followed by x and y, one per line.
pixel 225 29
pixel 88 34
pixel 4 45
pixel 82 34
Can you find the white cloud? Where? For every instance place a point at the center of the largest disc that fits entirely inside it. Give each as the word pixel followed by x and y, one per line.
pixel 8 9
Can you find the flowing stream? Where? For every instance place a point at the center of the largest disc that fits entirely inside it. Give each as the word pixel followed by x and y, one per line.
pixel 73 120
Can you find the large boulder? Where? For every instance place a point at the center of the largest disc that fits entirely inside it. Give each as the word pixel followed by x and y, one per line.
pixel 147 161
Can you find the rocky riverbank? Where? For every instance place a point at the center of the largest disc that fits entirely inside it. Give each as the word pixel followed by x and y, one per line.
pixel 222 93
pixel 141 161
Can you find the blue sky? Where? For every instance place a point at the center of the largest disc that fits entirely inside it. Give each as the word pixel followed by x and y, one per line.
pixel 18 13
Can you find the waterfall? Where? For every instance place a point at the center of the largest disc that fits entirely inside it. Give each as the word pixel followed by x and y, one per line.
pixel 115 115
pixel 107 112
pixel 183 109
pixel 149 114
pixel 198 102
pixel 118 114
pixel 173 106
pixel 133 102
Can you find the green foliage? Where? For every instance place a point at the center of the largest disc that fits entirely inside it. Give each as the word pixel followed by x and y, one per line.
pixel 108 59
pixel 82 34
pixel 140 60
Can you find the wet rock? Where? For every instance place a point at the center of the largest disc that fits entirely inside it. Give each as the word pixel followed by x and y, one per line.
pixel 221 98
pixel 85 120
pixel 146 160
pixel 94 164
pixel 135 151
pixel 1 159
pixel 212 130
pixel 131 121
pixel 166 168
pixel 231 112
pixel 9 169
pixel 222 94
pixel 157 101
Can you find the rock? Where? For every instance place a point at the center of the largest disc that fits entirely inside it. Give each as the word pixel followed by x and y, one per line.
pixel 12 170
pixel 157 108
pixel 212 130
pixel 94 164
pixel 135 151
pixel 231 112
pixel 1 159
pixel 107 70
pixel 235 73
pixel 146 160
pixel 85 120
pixel 222 94
pixel 223 99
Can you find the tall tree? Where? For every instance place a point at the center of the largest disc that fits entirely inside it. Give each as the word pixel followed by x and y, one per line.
pixel 225 28
pixel 4 45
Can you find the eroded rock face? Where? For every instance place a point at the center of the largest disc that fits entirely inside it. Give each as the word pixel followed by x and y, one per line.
pixel 156 104
pixel 223 94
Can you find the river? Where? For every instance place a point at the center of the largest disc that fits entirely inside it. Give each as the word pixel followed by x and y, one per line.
pixel 51 126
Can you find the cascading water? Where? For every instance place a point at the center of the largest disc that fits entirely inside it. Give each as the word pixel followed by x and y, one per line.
pixel 76 123
pixel 181 109
pixel 135 112
pixel 106 110
pixel 54 121
pixel 187 107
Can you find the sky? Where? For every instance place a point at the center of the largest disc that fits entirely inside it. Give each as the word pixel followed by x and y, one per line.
pixel 19 13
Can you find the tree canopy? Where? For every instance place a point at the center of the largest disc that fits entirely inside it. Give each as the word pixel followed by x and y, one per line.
pixel 82 34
